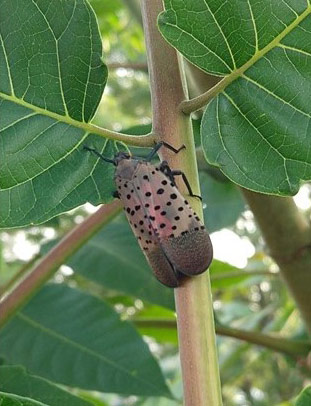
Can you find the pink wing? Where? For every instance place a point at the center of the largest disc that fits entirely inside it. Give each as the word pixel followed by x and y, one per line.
pixel 138 217
pixel 181 234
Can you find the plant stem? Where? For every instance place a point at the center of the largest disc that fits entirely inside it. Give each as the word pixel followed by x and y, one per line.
pixel 237 274
pixel 288 236
pixel 50 263
pixel 295 348
pixel 138 141
pixel 193 299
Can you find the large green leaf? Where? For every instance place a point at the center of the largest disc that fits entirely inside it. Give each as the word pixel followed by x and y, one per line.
pixel 220 270
pixel 257 128
pixel 113 259
pixel 51 80
pixel 9 399
pixel 304 399
pixel 157 322
pixel 73 338
pixel 14 379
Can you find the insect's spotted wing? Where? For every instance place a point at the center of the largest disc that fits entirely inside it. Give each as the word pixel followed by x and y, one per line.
pixel 181 234
pixel 137 211
pixel 171 235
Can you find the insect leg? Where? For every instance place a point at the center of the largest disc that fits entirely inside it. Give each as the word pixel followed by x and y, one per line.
pixel 161 144
pixel 164 167
pixel 111 161
pixel 116 194
pixel 184 178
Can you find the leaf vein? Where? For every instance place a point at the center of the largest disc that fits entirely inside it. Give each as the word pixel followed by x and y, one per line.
pixel 260 86
pixel 80 347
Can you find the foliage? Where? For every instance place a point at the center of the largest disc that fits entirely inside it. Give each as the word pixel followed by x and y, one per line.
pixel 104 331
pixel 256 130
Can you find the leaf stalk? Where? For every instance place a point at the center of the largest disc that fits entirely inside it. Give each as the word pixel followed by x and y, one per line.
pixel 147 140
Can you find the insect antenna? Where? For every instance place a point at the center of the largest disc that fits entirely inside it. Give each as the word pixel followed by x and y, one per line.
pixel 111 161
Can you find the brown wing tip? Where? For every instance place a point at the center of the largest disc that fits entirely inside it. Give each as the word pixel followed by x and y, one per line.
pixel 191 253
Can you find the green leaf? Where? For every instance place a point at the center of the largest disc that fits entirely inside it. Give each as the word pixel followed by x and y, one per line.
pixel 219 270
pixel 156 402
pixel 51 81
pixel 157 322
pixel 8 399
pixel 14 379
pixel 257 128
pixel 113 259
pixel 304 399
pixel 78 340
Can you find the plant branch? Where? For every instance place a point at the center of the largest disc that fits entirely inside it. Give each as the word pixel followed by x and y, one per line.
pixel 295 348
pixel 190 106
pixel 50 263
pixel 237 274
pixel 288 236
pixel 193 299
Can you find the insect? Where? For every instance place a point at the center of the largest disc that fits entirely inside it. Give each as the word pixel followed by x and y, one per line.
pixel 171 235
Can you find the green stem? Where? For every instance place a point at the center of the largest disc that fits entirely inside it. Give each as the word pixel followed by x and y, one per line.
pixel 141 141
pixel 287 233
pixel 194 309
pixel 294 348
pixel 236 274
pixel 50 263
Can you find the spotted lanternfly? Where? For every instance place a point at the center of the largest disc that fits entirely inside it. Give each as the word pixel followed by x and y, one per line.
pixel 171 235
